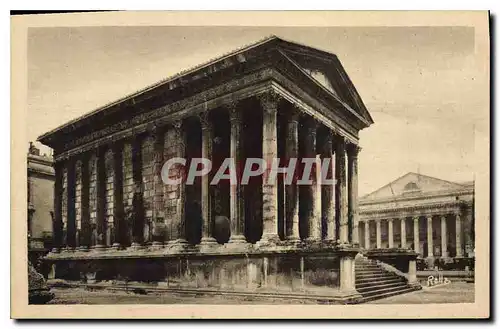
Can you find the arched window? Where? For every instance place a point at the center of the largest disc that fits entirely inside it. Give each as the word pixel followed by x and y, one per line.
pixel 411 187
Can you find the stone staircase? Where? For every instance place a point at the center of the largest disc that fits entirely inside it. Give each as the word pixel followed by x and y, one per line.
pixel 374 282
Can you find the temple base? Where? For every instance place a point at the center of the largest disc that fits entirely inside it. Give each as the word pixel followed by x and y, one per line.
pixel 304 272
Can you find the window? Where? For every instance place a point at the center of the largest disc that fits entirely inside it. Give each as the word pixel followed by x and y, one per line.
pixel 411 187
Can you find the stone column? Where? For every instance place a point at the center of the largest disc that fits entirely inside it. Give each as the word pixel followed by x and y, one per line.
pixel 109 204
pixel 180 218
pixel 403 232
pixel 444 237
pixel 137 220
pixel 416 233
pixel 70 208
pixel 57 224
pixel 367 234
pixel 86 230
pixel 352 168
pixel 269 102
pixel 469 231
pixel 430 246
pixel 379 234
pixel 158 220
pixel 236 200
pixel 64 206
pixel 313 217
pixel 328 191
pixel 341 190
pixel 118 210
pixel 292 191
pixel 390 233
pixel 458 235
pixel 206 198
pixel 128 192
pixel 101 200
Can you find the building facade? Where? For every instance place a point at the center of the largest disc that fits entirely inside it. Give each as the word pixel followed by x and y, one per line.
pixel 40 203
pixel 114 216
pixel 431 216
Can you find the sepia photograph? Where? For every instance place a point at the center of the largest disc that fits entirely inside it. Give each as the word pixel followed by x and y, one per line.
pixel 339 161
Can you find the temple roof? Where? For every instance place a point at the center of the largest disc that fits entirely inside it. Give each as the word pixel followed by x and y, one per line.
pixel 321 67
pixel 413 184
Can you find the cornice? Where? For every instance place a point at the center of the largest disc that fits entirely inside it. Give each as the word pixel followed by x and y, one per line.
pixel 421 196
pixel 414 210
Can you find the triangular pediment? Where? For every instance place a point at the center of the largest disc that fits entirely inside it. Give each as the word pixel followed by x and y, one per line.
pixel 326 69
pixel 412 184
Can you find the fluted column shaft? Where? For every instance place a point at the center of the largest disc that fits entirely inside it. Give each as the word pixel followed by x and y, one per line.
pixel 206 197
pixel 312 217
pixel 291 190
pixel 444 237
pixel 178 228
pixel 430 245
pixel 118 210
pixel 403 232
pixel 236 200
pixel 70 208
pixel 416 237
pixel 137 200
pixel 328 191
pixel 85 231
pixel 101 200
pixel 158 220
pixel 352 163
pixel 458 235
pixel 390 233
pixel 269 102
pixel 341 190
pixel 367 234
pixel 379 234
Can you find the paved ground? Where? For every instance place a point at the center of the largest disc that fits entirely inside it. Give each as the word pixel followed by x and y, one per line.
pixel 82 296
pixel 455 292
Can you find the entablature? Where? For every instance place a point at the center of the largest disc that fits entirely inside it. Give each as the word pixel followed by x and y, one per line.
pixel 237 89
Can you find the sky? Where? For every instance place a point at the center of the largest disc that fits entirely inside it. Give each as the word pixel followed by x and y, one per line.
pixel 420 84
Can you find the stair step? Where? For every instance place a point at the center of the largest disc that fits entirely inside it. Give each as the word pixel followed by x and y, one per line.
pixel 383 290
pixel 377 270
pixel 367 268
pixel 373 282
pixel 377 287
pixel 375 275
pixel 386 295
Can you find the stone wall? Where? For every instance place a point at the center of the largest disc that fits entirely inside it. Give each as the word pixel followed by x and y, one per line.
pixel 281 273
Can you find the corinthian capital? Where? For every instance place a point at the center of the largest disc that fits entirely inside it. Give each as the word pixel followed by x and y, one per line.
pixel 269 100
pixel 204 120
pixel 234 110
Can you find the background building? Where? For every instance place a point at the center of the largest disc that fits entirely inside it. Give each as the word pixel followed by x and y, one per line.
pixel 40 203
pixel 432 216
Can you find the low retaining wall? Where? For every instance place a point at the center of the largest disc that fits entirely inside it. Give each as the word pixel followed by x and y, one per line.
pixel 303 270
